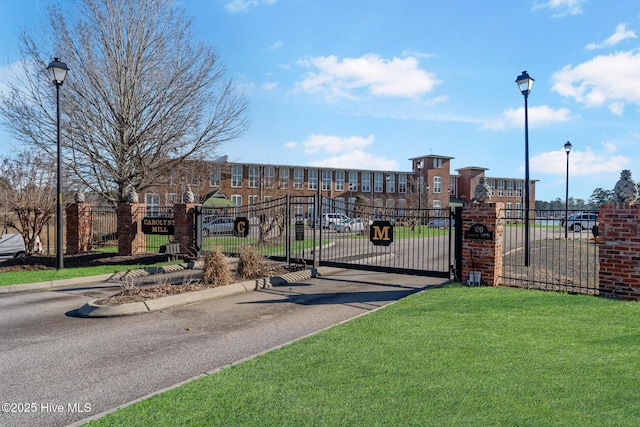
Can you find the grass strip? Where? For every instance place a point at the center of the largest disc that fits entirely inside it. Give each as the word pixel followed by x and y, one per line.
pixel 450 356
pixel 35 276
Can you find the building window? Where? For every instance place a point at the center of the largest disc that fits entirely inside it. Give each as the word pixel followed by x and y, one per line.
pixel 437 163
pixel 391 183
pixel 284 178
pixel 326 180
pixel 377 182
pixel 366 182
pixel 313 179
pixel 509 210
pixel 269 176
pixel 353 181
pixel 437 206
pixel 519 210
pixel 340 206
pixel 509 188
pixel 254 176
pixel 339 180
pixel 402 183
pixel 236 199
pixel 519 189
pixel 492 186
pixel 402 205
pixel 236 176
pixel 170 199
pixel 152 200
pixel 390 203
pixel 500 188
pixel 298 179
pixel 437 184
pixel 215 172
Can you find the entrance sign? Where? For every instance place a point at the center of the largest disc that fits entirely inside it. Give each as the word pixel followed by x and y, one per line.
pixel 381 233
pixel 478 232
pixel 241 227
pixel 158 225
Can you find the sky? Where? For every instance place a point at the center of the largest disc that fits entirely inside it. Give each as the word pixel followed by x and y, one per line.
pixel 369 84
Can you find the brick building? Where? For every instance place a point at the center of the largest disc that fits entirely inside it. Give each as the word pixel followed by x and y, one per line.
pixel 429 184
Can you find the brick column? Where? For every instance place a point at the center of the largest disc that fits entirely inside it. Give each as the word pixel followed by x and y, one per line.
pixel 483 255
pixel 619 251
pixel 130 237
pixel 79 228
pixel 184 227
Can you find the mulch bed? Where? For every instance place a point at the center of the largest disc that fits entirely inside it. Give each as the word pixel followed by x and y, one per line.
pixel 43 262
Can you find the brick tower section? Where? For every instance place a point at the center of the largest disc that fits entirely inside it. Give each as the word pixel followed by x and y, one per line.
pixel 79 228
pixel 131 240
pixel 184 227
pixel 483 255
pixel 619 251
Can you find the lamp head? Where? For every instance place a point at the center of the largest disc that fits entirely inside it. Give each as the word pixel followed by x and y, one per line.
pixel 525 83
pixel 567 147
pixel 57 71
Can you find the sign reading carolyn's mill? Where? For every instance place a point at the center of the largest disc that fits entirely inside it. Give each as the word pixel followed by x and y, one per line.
pixel 157 225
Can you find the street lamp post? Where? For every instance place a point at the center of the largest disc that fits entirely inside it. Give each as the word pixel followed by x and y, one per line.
pixel 567 149
pixel 525 83
pixel 57 72
pixel 420 165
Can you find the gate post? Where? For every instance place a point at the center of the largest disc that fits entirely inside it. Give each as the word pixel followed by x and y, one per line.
pixel 131 240
pixel 482 252
pixel 79 228
pixel 618 251
pixel 184 220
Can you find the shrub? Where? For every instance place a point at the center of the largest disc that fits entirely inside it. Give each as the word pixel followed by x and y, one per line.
pixel 216 269
pixel 250 264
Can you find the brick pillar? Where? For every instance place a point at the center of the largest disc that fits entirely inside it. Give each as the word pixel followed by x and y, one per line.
pixel 184 227
pixel 483 255
pixel 619 251
pixel 130 237
pixel 79 228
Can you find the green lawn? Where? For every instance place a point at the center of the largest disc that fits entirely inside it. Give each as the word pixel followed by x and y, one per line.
pixel 18 277
pixel 453 356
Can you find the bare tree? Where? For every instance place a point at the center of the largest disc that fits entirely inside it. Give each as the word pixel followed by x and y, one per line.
pixel 141 97
pixel 28 189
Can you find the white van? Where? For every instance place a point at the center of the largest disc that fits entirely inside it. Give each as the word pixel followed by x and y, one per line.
pixel 330 220
pixel 11 246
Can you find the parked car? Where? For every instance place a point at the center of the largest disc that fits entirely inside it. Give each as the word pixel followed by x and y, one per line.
pixel 440 223
pixel 581 221
pixel 217 225
pixel 351 225
pixel 12 246
pixel 330 220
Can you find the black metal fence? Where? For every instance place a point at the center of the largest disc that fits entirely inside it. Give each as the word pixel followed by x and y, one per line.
pixel 104 223
pixel 563 253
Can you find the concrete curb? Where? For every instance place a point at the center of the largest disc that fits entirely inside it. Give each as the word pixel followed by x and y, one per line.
pixel 97 311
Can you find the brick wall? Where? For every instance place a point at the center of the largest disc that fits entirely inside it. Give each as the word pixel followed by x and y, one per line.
pixel 79 228
pixel 184 227
pixel 619 251
pixel 131 240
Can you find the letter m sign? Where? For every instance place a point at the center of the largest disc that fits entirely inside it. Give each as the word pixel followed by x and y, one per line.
pixel 381 233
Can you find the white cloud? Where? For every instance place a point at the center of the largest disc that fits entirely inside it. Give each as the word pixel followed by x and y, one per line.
pixel 356 159
pixel 345 152
pixel 538 116
pixel 581 163
pixel 621 34
pixel 276 45
pixel 560 8
pixel 234 6
pixel 269 86
pixel 336 144
pixel 369 75
pixel 611 80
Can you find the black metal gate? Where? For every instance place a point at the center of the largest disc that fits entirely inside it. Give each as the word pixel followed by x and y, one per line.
pixel 391 239
pixel 357 236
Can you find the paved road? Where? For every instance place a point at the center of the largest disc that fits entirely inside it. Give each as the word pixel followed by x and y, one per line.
pixel 56 365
